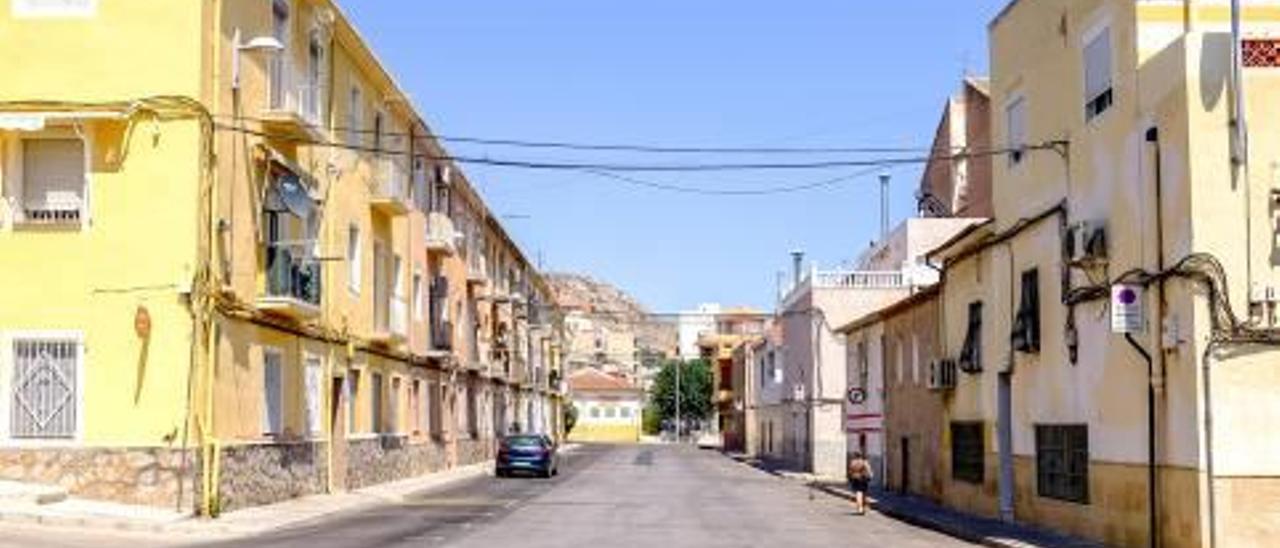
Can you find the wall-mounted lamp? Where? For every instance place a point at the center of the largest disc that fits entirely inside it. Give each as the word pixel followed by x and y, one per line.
pixel 268 44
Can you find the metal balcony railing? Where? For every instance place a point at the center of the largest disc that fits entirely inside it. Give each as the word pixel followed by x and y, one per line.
pixel 390 186
pixel 294 94
pixel 291 275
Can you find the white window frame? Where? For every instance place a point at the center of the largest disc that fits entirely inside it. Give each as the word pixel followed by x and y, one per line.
pixel 314 424
pixel 1016 147
pixel 38 9
pixel 266 403
pixel 7 367
pixel 1099 29
pixel 12 178
pixel 355 263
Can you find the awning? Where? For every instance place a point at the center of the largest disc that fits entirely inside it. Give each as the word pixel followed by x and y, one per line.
pixel 36 121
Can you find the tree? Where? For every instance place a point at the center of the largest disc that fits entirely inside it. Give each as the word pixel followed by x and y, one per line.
pixel 695 390
pixel 570 416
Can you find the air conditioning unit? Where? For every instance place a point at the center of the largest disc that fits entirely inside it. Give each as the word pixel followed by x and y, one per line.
pixel 1086 243
pixel 942 375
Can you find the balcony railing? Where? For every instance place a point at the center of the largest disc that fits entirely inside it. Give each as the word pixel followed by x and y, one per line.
pixel 293 282
pixel 441 236
pixel 442 336
pixel 399 317
pixel 390 188
pixel 294 100
pixel 854 279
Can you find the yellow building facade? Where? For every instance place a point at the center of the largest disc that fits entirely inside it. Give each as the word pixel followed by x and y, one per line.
pixel 1124 168
pixel 245 262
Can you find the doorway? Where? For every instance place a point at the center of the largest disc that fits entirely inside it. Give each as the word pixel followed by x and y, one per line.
pixel 337 437
pixel 905 486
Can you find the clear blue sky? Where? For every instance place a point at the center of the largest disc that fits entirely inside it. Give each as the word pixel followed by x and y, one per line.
pixel 682 73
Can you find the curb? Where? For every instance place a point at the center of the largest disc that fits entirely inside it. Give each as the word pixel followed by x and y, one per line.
pixel 912 519
pixel 217 530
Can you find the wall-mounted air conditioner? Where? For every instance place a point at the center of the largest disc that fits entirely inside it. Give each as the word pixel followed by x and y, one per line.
pixel 1086 242
pixel 942 375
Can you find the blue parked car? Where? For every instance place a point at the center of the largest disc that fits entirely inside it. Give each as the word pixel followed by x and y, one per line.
pixel 532 453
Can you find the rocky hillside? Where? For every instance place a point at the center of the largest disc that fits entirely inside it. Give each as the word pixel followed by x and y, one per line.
pixel 609 305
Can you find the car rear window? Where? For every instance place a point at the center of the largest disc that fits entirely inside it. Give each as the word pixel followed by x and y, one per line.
pixel 523 441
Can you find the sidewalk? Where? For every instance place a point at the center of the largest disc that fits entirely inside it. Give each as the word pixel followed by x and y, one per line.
pixel 922 512
pixel 89 514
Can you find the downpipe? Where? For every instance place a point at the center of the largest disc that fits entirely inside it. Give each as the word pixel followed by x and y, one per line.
pixel 1152 520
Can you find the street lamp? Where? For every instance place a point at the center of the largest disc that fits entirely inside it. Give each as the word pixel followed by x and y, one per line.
pixel 268 44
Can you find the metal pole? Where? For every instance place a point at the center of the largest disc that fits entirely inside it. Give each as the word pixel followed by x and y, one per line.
pixel 884 206
pixel 679 433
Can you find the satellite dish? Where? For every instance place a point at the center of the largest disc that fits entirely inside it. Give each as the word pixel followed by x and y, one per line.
pixel 293 195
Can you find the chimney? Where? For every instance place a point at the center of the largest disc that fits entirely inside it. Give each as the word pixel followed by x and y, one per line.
pixel 797 260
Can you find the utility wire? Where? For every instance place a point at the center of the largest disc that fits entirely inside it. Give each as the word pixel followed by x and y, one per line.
pixel 592 166
pixel 785 189
pixel 609 147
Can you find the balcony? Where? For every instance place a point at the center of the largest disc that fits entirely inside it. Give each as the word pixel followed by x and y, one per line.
pixel 293 284
pixel 477 270
pixel 441 236
pixel 389 192
pixel 390 320
pixel 442 336
pixel 294 103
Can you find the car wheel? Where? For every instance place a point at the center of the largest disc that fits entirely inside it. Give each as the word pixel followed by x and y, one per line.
pixel 500 473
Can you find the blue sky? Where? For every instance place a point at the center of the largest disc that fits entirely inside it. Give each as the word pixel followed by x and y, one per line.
pixel 717 73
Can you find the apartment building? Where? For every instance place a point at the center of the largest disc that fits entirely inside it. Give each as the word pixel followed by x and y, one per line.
pixel 765 396
pixel 1142 154
pixel 732 328
pixel 250 285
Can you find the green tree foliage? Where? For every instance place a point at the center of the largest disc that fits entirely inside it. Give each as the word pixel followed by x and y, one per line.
pixel 651 422
pixel 570 417
pixel 695 390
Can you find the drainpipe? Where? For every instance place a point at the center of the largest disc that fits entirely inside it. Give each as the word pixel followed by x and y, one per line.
pixel 1004 415
pixel 1240 141
pixel 1153 137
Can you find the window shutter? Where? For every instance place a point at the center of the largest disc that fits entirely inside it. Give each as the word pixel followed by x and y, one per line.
pixel 314 380
pixel 971 354
pixel 271 386
pixel 1097 66
pixel 53 172
pixel 1026 326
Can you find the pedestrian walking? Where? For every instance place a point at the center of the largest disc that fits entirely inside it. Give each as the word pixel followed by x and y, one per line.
pixel 859 480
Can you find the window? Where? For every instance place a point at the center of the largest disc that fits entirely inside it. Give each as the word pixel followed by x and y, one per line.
pixel 272 391
pixel 435 408
pixel 276 66
pixel 915 359
pixel 625 412
pixel 1062 462
pixel 473 412
pixel 971 353
pixel 355 117
pixel 53 180
pixel 595 412
pixel 967 452
pixel 45 394
pixel 393 407
pixel 1097 74
pixel 377 129
pixel 353 392
pixel 54 8
pixel 418 306
pixel 353 259
pixel 1026 323
pixel 375 404
pixel 901 359
pixel 610 412
pixel 313 376
pixel 1015 115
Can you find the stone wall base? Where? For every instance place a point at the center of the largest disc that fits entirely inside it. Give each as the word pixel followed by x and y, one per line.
pixel 143 475
pixel 266 473
pixel 381 459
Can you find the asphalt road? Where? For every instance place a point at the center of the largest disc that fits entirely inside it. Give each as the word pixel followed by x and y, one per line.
pixel 605 496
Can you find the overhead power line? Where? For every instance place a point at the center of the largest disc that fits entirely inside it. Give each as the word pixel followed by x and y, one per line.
pixel 614 167
pixel 610 147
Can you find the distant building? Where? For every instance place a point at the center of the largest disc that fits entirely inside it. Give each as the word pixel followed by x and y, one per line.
pixel 609 407
pixel 692 324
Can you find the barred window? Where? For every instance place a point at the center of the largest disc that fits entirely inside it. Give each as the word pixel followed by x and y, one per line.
pixel 43 397
pixel 1062 462
pixel 968 452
